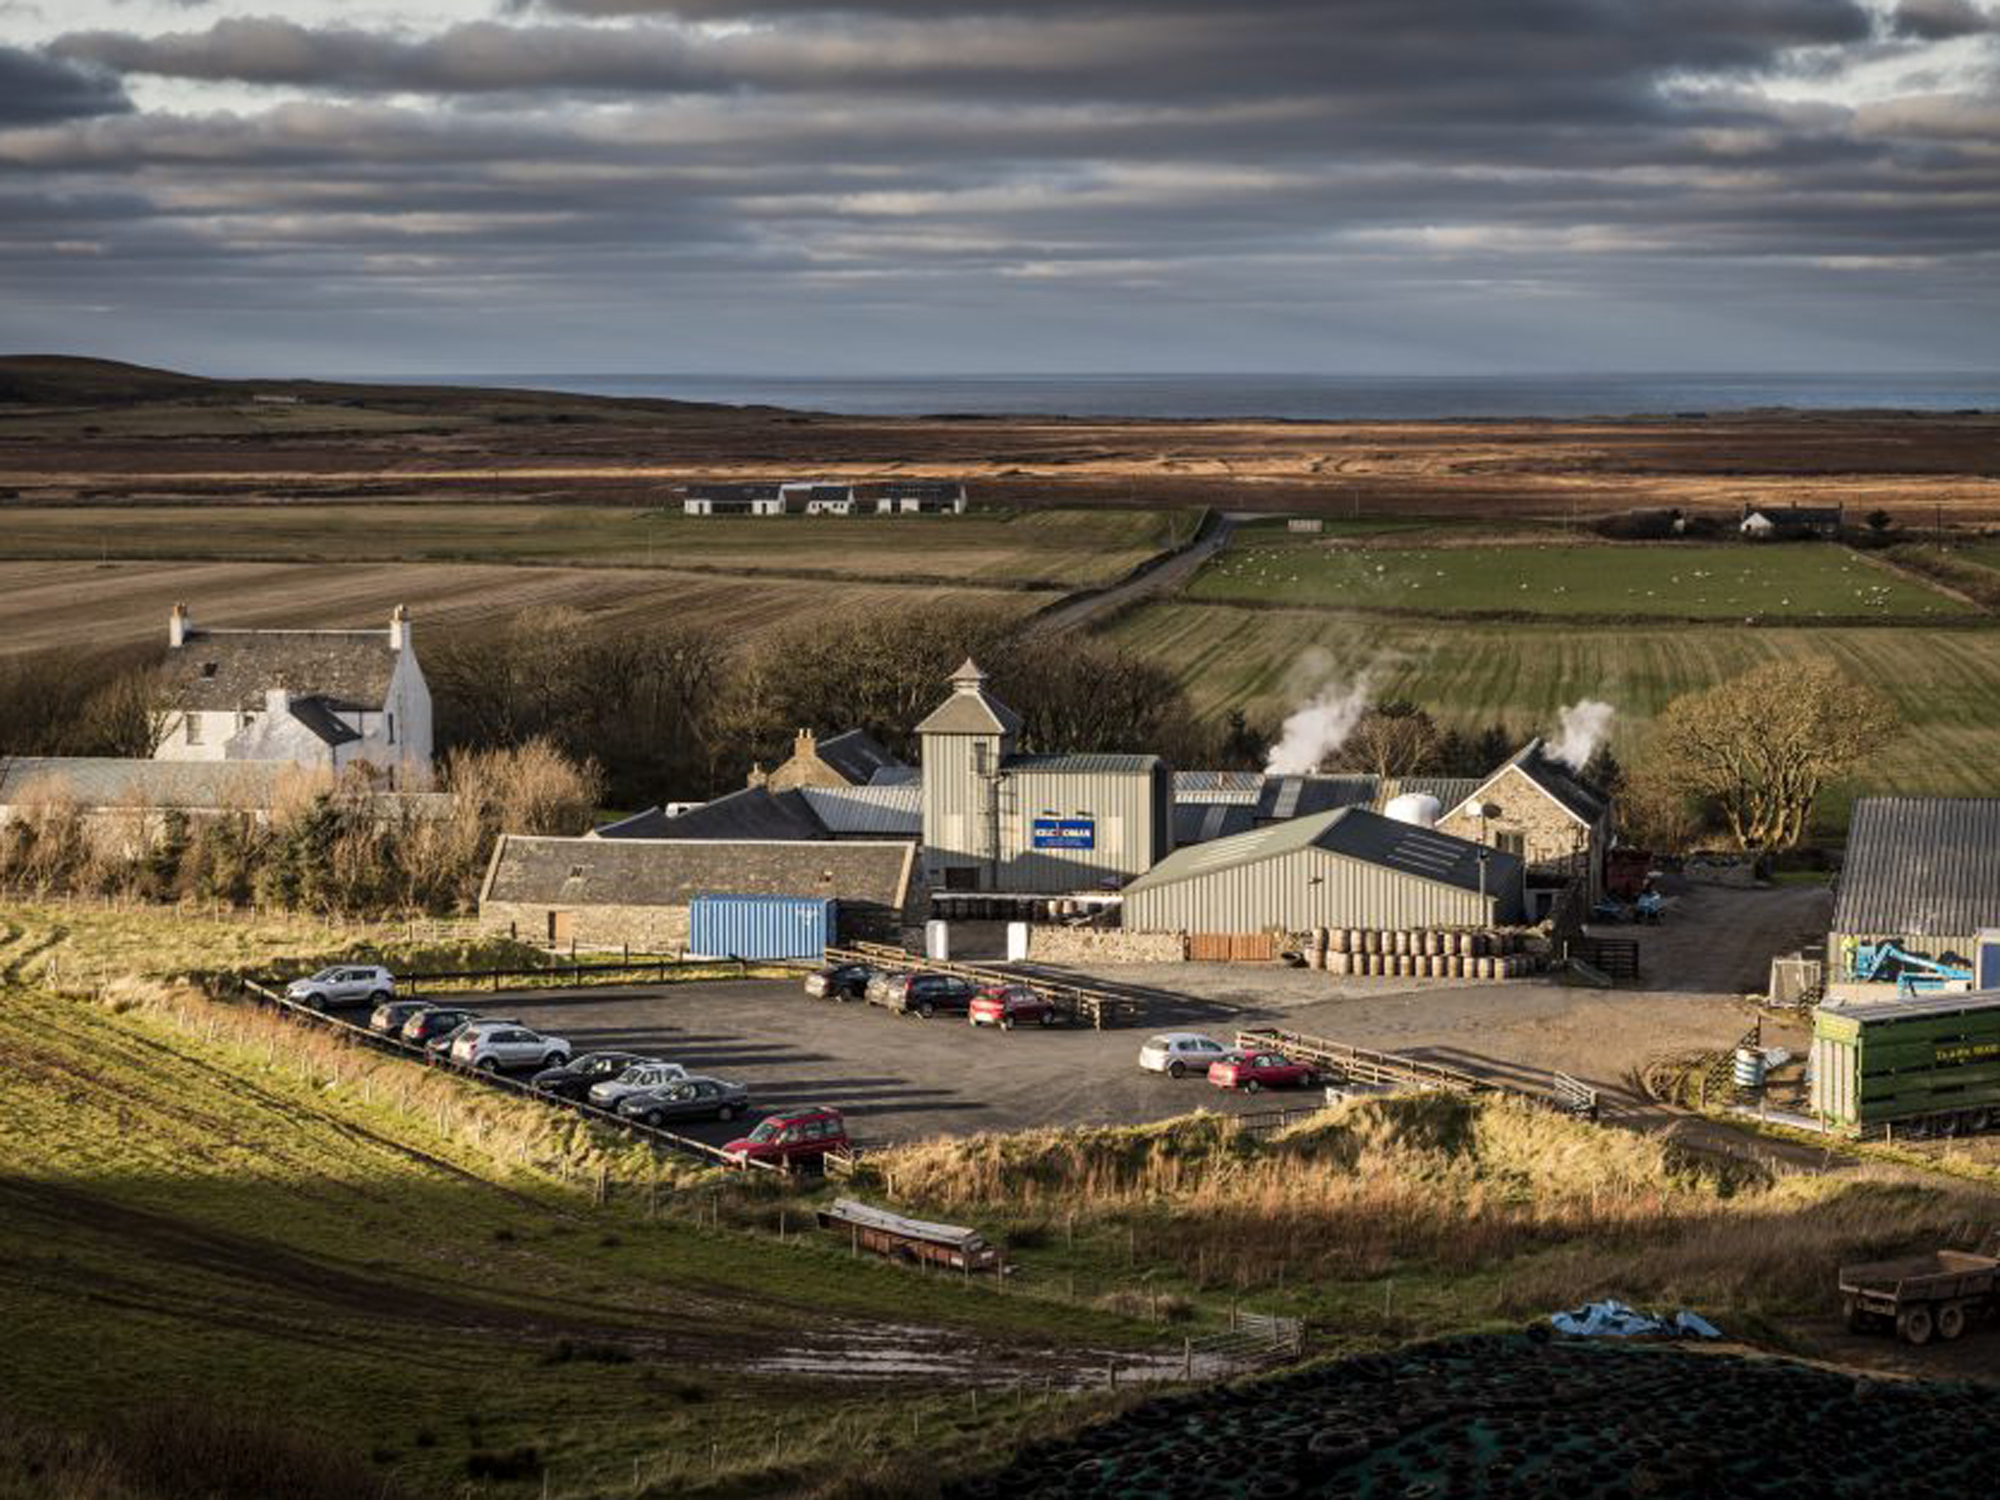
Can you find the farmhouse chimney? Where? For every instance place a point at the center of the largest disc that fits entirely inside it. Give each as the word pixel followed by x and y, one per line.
pixel 399 628
pixel 177 626
pixel 804 745
pixel 277 703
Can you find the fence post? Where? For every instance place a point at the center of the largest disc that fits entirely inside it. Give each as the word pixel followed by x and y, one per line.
pixel 1187 1357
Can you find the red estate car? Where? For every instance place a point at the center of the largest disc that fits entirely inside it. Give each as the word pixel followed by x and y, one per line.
pixel 793 1135
pixel 1011 1005
pixel 1251 1071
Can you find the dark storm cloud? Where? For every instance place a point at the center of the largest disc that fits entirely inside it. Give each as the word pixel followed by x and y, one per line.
pixel 35 89
pixel 1251 181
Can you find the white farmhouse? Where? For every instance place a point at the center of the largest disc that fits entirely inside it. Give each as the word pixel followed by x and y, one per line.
pixel 328 699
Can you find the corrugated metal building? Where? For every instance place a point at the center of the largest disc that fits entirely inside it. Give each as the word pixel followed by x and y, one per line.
pixel 1922 875
pixel 996 820
pixel 1346 868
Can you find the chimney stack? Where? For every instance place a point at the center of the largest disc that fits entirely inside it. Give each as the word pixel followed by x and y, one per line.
pixel 399 628
pixel 804 746
pixel 177 627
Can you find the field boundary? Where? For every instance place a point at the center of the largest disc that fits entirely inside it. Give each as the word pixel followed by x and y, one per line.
pixel 1979 620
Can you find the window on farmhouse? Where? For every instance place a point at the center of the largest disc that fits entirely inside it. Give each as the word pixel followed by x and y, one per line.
pixel 1511 843
pixel 392 729
pixel 193 722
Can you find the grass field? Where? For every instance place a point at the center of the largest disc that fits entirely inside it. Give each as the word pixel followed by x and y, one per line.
pixel 1946 681
pixel 229 1214
pixel 1549 578
pixel 1051 548
pixel 46 604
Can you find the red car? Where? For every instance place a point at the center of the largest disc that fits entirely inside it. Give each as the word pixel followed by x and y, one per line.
pixel 1251 1071
pixel 793 1135
pixel 1011 1005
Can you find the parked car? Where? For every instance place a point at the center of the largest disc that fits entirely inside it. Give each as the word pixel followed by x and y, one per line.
pixel 1179 1053
pixel 1011 1005
pixel 1251 1071
pixel 496 1046
pixel 793 1136
pixel 841 982
pixel 689 1099
pixel 924 995
pixel 606 1093
pixel 387 1019
pixel 572 1080
pixel 879 980
pixel 343 984
pixel 434 1021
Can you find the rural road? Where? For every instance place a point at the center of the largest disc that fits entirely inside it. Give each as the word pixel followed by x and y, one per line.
pixel 1081 610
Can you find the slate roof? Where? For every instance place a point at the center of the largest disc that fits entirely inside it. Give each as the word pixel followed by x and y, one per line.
pixel 1284 797
pixel 656 872
pixel 1354 832
pixel 858 811
pixel 753 813
pixel 857 755
pixel 95 781
pixel 743 493
pixel 1926 866
pixel 231 669
pixel 1581 800
pixel 970 709
pixel 193 785
pixel 921 489
pixel 317 716
pixel 898 775
pixel 1449 790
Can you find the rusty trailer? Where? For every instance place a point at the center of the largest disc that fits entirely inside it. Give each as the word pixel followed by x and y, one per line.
pixel 911 1240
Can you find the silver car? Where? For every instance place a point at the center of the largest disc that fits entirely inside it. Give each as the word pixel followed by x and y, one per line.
pixel 492 1046
pixel 650 1075
pixel 344 984
pixel 1179 1053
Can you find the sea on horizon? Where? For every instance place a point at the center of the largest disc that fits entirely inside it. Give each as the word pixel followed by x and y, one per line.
pixel 1279 397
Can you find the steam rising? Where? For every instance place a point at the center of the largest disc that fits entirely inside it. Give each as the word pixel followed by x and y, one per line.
pixel 1322 724
pixel 1583 728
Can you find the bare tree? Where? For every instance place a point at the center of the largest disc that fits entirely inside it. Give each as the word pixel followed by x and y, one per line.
pixel 1761 747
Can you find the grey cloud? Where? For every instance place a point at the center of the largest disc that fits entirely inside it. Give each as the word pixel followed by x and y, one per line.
pixel 1938 20
pixel 35 89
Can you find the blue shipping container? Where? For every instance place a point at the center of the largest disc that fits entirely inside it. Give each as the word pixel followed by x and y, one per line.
pixel 760 926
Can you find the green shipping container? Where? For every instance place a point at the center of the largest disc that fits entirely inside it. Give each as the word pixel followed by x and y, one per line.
pixel 1934 1060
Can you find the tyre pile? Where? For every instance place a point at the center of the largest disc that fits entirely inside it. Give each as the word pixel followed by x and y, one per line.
pixel 1522 1415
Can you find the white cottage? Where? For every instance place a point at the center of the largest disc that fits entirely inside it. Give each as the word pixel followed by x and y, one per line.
pixel 327 699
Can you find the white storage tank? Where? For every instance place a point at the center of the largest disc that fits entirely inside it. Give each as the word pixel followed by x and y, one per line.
pixel 1420 808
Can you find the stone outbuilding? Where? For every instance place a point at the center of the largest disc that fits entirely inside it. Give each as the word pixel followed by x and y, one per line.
pixel 607 892
pixel 1538 809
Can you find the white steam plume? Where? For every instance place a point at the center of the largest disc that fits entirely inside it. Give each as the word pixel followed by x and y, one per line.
pixel 1321 725
pixel 1583 728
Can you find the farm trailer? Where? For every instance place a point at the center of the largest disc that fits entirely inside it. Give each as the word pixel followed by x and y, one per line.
pixel 1920 1067
pixel 1924 1295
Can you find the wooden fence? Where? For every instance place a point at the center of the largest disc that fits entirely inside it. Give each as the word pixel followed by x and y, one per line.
pixel 1394 1070
pixel 1083 1004
pixel 665 1139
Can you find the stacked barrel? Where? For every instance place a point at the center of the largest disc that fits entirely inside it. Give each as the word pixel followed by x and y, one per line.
pixel 1423 953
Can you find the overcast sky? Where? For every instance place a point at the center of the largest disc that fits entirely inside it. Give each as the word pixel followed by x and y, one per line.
pixel 913 186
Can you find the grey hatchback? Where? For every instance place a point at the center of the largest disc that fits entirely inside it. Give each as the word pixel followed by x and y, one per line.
pixel 686 1099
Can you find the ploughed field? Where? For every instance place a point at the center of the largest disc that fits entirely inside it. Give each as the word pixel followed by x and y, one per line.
pixel 1004 548
pixel 1517 1416
pixel 1740 581
pixel 114 603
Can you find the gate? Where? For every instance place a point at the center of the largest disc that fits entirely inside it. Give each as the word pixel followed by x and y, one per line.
pixel 1232 947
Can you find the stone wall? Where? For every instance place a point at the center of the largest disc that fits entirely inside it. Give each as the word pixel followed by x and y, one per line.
pixel 1094 945
pixel 1553 842
pixel 644 929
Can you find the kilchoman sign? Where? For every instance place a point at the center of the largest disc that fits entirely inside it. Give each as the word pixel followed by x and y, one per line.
pixel 1065 833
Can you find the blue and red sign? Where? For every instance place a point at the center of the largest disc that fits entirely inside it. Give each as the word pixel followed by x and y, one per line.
pixel 1064 833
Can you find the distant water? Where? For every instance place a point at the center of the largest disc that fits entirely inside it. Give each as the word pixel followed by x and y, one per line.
pixel 1296 397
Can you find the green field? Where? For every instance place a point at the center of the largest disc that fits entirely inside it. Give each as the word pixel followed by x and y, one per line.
pixel 1046 548
pixel 1946 681
pixel 1551 578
